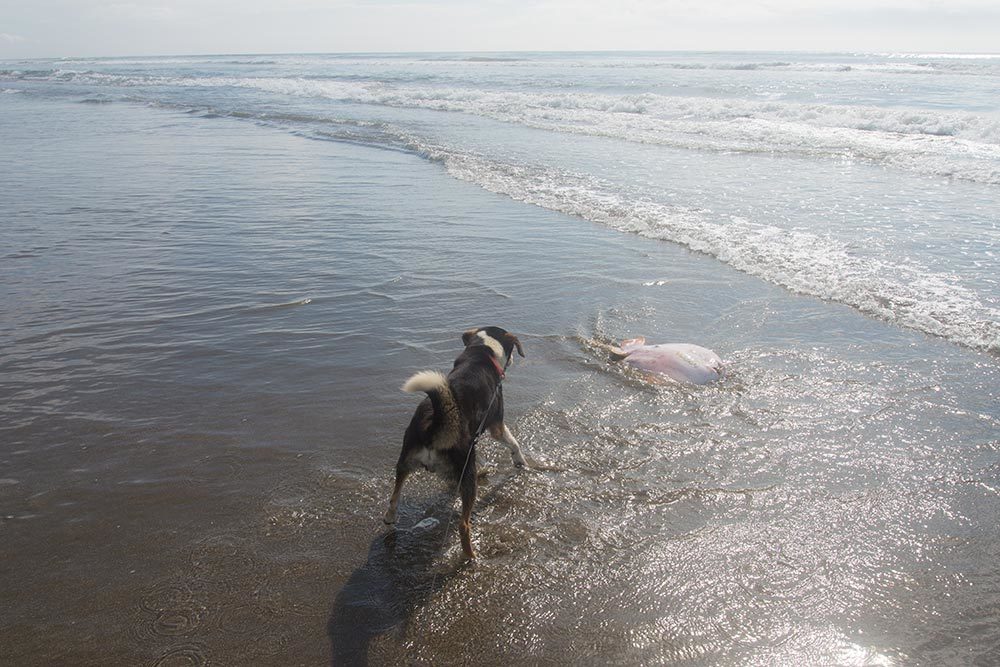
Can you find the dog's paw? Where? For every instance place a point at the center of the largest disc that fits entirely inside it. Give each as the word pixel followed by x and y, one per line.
pixel 519 461
pixel 390 518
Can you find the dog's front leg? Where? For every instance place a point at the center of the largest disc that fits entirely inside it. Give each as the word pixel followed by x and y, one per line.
pixel 468 491
pixel 501 433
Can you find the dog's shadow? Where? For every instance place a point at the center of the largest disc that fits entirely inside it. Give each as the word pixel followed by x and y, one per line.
pixel 403 570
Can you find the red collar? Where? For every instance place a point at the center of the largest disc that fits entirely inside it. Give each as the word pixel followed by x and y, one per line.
pixel 497 366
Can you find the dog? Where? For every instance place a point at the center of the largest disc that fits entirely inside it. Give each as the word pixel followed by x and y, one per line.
pixel 442 434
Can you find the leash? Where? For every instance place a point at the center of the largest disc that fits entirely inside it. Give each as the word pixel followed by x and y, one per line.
pixel 472 444
pixel 482 424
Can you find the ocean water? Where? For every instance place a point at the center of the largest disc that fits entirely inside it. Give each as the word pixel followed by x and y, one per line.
pixel 216 271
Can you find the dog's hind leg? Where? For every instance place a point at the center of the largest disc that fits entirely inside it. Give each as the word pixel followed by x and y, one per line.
pixel 402 472
pixel 501 433
pixel 468 490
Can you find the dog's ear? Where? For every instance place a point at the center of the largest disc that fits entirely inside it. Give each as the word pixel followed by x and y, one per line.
pixel 467 336
pixel 513 339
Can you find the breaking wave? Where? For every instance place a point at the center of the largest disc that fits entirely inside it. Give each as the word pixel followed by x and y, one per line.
pixel 907 295
pixel 961 145
pixel 950 144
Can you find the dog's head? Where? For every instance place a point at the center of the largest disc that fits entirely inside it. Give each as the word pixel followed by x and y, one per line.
pixel 500 341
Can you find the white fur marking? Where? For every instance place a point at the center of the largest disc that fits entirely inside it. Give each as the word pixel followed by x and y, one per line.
pixel 430 459
pixel 426 381
pixel 493 344
pixel 515 450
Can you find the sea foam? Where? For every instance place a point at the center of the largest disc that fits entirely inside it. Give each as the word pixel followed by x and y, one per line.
pixel 931 142
pixel 903 293
pixel 951 144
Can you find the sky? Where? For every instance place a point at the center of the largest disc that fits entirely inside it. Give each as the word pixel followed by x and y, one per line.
pixel 88 28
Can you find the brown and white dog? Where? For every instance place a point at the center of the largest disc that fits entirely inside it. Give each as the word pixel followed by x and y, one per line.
pixel 441 435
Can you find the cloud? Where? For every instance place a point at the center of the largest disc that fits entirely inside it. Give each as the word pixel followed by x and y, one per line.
pixel 8 38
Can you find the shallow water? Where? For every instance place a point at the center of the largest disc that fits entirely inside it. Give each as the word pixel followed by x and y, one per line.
pixel 205 323
pixel 866 179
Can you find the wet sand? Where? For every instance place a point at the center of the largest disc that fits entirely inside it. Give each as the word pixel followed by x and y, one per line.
pixel 205 326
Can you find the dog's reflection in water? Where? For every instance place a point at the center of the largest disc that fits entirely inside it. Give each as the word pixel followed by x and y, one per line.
pixel 403 570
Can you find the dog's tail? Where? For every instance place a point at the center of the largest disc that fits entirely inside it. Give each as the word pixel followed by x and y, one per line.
pixel 427 382
pixel 446 415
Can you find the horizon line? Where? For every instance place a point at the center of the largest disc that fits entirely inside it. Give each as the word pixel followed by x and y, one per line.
pixel 846 52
